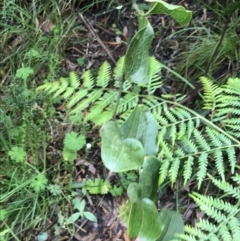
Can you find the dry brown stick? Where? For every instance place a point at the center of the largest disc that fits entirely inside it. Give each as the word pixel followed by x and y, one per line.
pixel 93 32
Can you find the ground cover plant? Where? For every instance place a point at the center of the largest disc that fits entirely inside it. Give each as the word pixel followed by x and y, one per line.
pixel 149 136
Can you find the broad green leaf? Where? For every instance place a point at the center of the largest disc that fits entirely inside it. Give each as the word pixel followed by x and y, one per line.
pixel 171 222
pixel 137 60
pixel 143 221
pixel 179 13
pixel 134 192
pixel 141 125
pixel 119 154
pixel 149 178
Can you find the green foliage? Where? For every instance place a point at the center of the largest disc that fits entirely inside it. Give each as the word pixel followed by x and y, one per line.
pixel 116 190
pixel 73 141
pixel 24 73
pixel 161 138
pixel 98 186
pixel 79 206
pixel 3 213
pixel 223 102
pixel 39 183
pixel 72 144
pixel 179 13
pixel 17 154
pixel 97 94
pixel 224 223
pixel 54 189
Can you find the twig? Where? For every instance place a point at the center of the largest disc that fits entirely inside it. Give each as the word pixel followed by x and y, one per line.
pixel 93 32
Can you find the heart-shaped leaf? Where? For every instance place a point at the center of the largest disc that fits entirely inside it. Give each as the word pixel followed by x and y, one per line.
pixel 143 221
pixel 119 154
pixel 142 126
pixel 179 13
pixel 137 60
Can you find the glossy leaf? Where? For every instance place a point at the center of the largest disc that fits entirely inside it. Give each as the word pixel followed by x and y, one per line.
pixel 142 126
pixel 143 221
pixel 149 178
pixel 172 223
pixel 119 154
pixel 137 59
pixel 179 13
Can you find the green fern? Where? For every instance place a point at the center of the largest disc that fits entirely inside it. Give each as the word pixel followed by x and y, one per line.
pixel 98 186
pixel 224 104
pixel 186 144
pixel 187 141
pixel 97 95
pixel 223 222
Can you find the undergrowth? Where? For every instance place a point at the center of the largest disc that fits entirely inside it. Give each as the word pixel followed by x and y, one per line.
pixel 193 145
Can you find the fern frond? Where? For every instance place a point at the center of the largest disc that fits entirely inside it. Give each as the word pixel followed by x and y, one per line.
pixel 163 172
pixel 76 97
pixel 174 170
pixel 188 169
pixel 99 106
pixel 91 98
pixel 211 91
pixel 226 187
pixel 154 82
pixel 103 76
pixel 127 102
pixel 118 72
pixel 62 87
pixel 69 91
pixel 223 222
pixel 202 168
pixel 98 186
pixel 224 103
pixel 73 80
pixel 88 80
